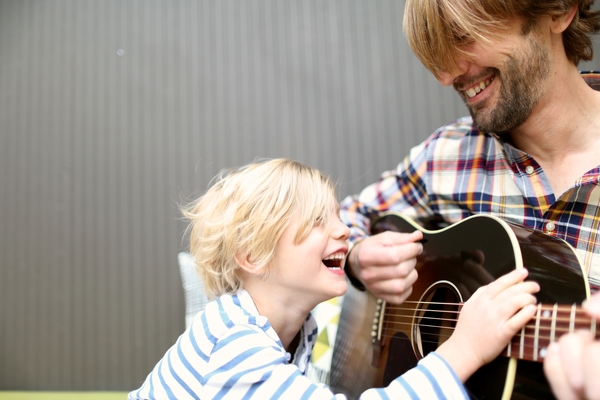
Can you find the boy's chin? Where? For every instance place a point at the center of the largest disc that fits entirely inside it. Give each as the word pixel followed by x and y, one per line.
pixel 339 290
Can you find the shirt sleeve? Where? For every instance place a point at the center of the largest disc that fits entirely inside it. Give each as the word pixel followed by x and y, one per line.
pixel 403 189
pixel 432 378
pixel 262 371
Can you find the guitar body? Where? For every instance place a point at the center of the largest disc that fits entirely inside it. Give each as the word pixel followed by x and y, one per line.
pixel 376 341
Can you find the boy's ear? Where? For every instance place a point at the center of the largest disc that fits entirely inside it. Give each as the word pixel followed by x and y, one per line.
pixel 247 266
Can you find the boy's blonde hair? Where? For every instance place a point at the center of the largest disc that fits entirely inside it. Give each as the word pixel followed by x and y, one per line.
pixel 245 212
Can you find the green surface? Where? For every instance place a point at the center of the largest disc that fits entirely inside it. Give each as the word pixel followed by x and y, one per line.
pixel 63 395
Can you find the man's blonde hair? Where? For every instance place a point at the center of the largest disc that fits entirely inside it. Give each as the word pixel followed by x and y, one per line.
pixel 245 212
pixel 436 30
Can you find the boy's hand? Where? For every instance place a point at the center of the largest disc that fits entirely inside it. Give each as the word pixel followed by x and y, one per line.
pixel 488 321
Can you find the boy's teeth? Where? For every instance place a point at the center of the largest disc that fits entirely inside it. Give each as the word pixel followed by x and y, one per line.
pixel 336 256
pixel 334 261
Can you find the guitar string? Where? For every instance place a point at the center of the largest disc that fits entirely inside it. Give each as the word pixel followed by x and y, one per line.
pixel 528 349
pixel 559 329
pixel 578 323
pixel 544 306
pixel 582 322
pixel 399 325
pixel 560 309
pixel 541 338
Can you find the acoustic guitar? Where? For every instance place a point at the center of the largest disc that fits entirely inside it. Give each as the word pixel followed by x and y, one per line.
pixel 376 341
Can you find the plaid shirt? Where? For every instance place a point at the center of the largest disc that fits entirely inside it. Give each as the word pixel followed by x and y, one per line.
pixel 460 171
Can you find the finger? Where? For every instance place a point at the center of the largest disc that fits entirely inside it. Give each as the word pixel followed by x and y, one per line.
pixel 520 318
pixel 397 238
pixel 592 305
pixel 396 298
pixel 505 281
pixel 591 370
pixel 395 290
pixel 555 372
pixel 571 355
pixel 512 293
pixel 477 293
pixel 389 262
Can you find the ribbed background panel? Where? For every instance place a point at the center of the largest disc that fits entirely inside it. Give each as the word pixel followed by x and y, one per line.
pixel 114 112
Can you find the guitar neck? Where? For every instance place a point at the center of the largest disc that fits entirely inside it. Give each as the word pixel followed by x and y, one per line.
pixel 548 325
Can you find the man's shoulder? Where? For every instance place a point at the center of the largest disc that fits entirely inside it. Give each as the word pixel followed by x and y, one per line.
pixel 457 129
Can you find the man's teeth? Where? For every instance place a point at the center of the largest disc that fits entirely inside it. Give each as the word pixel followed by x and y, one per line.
pixel 478 88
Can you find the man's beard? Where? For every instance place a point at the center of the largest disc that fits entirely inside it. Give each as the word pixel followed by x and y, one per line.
pixel 520 90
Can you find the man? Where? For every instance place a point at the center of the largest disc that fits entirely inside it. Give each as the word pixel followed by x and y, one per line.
pixel 529 152
pixel 573 363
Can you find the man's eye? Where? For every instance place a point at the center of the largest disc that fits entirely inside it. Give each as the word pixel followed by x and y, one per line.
pixel 462 39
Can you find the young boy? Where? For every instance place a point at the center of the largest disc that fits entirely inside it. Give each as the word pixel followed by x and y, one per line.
pixel 269 247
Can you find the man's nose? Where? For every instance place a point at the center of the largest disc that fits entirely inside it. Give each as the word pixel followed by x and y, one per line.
pixel 447 78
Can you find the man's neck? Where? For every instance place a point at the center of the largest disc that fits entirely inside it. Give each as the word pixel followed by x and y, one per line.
pixel 567 120
pixel 563 132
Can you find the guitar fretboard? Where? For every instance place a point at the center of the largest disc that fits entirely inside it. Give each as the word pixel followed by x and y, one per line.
pixel 548 324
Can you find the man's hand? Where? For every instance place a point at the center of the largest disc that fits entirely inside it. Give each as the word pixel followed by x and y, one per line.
pixel 572 364
pixel 385 263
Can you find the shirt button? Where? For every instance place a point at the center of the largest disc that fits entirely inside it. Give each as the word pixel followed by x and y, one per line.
pixel 529 170
pixel 550 226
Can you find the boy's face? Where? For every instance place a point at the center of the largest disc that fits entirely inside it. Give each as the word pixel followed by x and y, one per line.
pixel 313 270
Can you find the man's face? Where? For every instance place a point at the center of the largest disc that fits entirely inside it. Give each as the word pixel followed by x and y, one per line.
pixel 504 81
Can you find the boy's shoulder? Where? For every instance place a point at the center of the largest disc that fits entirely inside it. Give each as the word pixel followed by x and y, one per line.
pixel 231 313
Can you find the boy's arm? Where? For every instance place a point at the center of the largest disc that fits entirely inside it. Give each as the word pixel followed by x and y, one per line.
pixel 431 379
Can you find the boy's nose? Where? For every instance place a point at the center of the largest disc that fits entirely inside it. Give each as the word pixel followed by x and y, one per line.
pixel 341 230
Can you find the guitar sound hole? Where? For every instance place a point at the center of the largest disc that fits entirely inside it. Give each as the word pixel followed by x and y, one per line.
pixel 436 318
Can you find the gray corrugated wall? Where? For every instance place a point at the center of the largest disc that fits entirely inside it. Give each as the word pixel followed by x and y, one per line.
pixel 113 112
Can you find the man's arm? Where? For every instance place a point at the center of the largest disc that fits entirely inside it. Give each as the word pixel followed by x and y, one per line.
pixel 572 364
pixel 385 263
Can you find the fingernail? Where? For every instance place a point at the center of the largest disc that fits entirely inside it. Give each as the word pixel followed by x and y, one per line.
pixel 532 308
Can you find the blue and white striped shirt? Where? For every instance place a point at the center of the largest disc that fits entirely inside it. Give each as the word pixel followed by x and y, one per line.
pixel 231 352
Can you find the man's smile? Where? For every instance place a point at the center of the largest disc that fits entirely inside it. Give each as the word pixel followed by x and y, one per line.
pixel 478 87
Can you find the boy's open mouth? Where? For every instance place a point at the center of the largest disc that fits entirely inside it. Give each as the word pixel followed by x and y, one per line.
pixel 335 261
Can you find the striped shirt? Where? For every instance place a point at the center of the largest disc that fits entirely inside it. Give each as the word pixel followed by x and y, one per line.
pixel 231 352
pixel 460 171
